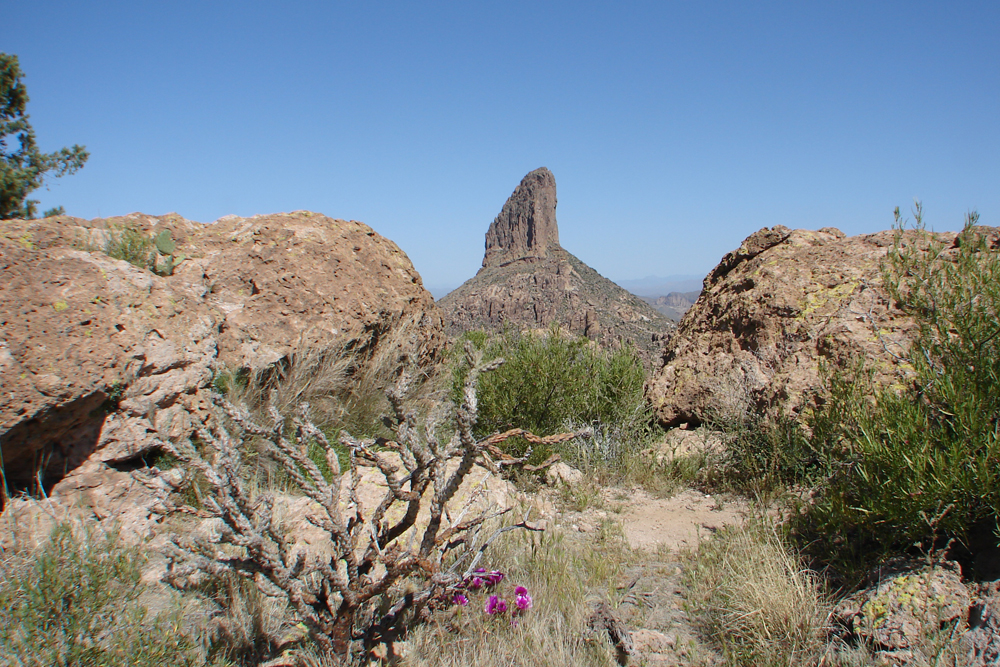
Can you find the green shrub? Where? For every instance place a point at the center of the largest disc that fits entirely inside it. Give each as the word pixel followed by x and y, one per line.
pixel 74 601
pixel 551 381
pixel 762 456
pixel 129 243
pixel 917 465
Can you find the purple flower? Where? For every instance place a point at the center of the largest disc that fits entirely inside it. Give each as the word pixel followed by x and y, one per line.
pixel 460 599
pixel 496 605
pixel 475 584
pixel 495 577
pixel 522 600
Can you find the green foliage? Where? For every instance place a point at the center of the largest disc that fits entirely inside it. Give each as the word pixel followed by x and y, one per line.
pixel 165 242
pixel 23 169
pixel 166 246
pixel 918 464
pixel 551 380
pixel 132 245
pixel 74 602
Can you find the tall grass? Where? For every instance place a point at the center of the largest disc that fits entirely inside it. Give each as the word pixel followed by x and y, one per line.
pixel 753 597
pixel 343 387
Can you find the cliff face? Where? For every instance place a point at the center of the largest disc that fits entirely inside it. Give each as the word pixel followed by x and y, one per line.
pixel 775 310
pixel 529 281
pixel 526 227
pixel 100 359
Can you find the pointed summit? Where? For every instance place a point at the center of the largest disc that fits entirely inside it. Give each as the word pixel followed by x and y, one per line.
pixel 526 227
pixel 529 281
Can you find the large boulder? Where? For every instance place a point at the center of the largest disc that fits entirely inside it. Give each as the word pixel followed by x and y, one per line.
pixel 772 314
pixel 100 359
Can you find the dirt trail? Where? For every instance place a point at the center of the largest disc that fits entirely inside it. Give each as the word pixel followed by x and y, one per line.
pixel 678 521
pixel 650 599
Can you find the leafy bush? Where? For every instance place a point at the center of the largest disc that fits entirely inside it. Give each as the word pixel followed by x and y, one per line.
pixel 762 456
pixel 73 601
pixel 918 464
pixel 552 379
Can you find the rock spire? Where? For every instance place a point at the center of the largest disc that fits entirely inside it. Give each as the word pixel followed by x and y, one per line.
pixel 529 281
pixel 526 227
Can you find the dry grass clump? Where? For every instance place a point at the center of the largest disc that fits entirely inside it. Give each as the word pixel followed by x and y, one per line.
pixel 345 388
pixel 565 578
pixel 752 596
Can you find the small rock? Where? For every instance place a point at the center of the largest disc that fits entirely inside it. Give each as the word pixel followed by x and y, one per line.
pixel 981 643
pixel 652 641
pixel 561 473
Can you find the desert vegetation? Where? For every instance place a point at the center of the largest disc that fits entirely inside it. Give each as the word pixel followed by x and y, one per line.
pixel 551 381
pixel 422 573
pixel 74 599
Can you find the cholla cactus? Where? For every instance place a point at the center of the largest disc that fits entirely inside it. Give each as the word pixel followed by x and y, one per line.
pixel 329 595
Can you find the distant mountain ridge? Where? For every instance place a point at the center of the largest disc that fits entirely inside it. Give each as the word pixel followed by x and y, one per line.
pixel 657 286
pixel 673 305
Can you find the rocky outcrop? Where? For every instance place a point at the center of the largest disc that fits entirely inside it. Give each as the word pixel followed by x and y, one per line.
pixel 529 281
pixel 770 314
pixel 526 227
pixel 100 359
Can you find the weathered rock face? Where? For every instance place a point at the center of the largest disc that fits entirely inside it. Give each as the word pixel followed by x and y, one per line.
pixel 99 359
pixel 529 281
pixel 526 227
pixel 771 313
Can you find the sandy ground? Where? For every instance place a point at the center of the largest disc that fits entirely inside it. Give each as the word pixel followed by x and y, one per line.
pixel 676 522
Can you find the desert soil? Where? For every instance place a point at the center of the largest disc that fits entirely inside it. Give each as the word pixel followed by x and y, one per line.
pixel 650 600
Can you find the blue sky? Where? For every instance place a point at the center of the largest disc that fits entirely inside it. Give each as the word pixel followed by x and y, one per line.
pixel 674 129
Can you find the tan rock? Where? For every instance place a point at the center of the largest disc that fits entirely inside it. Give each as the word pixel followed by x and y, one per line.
pixel 904 609
pixel 100 359
pixel 562 473
pixel 774 310
pixel 526 227
pixel 980 645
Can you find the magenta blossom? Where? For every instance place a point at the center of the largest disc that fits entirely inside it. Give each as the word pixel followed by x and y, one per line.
pixel 522 600
pixel 481 577
pixel 460 599
pixel 496 605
